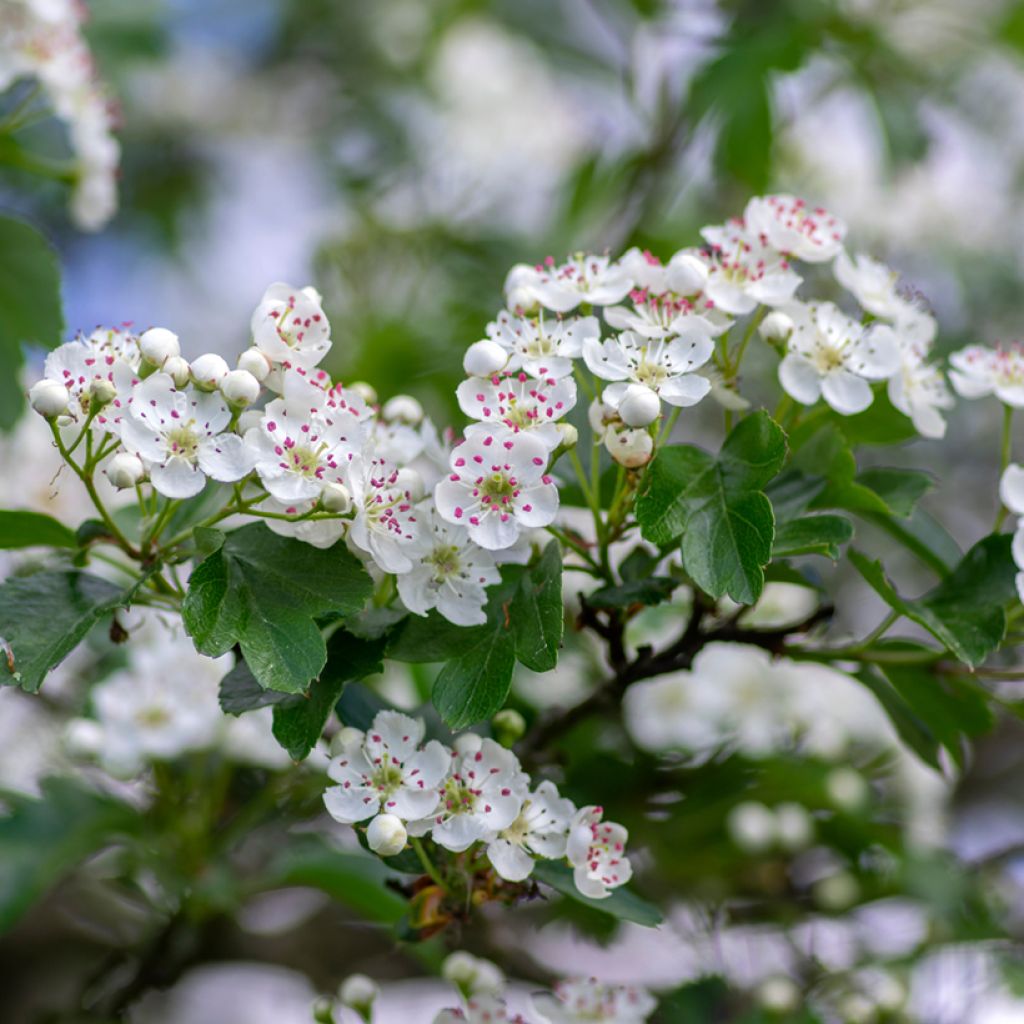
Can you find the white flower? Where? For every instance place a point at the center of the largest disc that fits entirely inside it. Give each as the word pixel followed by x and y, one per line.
pixel 684 275
pixel 745 272
pixel 663 366
pixel 582 278
pixel 125 470
pixel 978 371
pixel 919 390
pixel 671 712
pixel 483 794
pixel 388 773
pixel 597 851
pixel 473 975
pixel 498 485
pixel 520 402
pixel 752 826
pixel 289 327
pixel 239 387
pixel 49 398
pixel 832 356
pixel 386 524
pixel 386 835
pixel 543 348
pixel 158 344
pixel 104 359
pixel 304 441
pixel 871 282
pixel 577 1000
pixel 482 1009
pixel 484 358
pixel 449 572
pixel 789 225
pixel 179 435
pixel 208 370
pixel 540 830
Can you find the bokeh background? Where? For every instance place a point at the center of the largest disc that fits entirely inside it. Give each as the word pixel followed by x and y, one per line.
pixel 402 154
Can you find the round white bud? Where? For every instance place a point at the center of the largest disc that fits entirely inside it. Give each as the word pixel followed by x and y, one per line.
pixel 794 826
pixel 178 370
pixel 630 448
pixel 639 406
pixel 778 994
pixel 386 835
pixel 752 826
pixel 255 362
pixel 209 370
pixel 776 326
pixel 102 391
pixel 49 398
pixel 358 992
pixel 125 470
pixel 408 480
pixel 240 387
pixel 570 435
pixel 472 975
pixel 335 497
pixel 836 892
pixel 158 345
pixel 489 979
pixel 484 358
pixel 403 408
pixel 346 740
pixel 687 273
pixel 467 743
pixel 311 293
pixel 508 726
pixel 847 789
pixel 367 392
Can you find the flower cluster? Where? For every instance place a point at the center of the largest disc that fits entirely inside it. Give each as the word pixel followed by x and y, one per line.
pixel 42 39
pixel 474 795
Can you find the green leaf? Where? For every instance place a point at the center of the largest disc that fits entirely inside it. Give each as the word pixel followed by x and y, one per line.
pixel 900 489
pixel 910 727
pixel 31 305
pixel 42 840
pixel 20 528
pixel 622 903
pixel 263 592
pixel 473 686
pixel 965 612
pixel 298 725
pixel 43 617
pixel 652 590
pixel 812 535
pixel 717 506
pixel 240 692
pixel 537 612
pixel 359 705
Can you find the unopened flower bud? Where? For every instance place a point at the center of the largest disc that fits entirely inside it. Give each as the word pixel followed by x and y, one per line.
pixel 403 408
pixel 158 345
pixel 209 370
pixel 178 370
pixel 836 892
pixel 570 435
pixel 794 826
pixel 484 358
pixel 687 273
pixel 508 726
pixel 367 392
pixel 630 448
pixel 102 391
pixel 847 789
pixel 335 497
pixel 386 835
pixel 49 398
pixel 640 406
pixel 472 975
pixel 255 362
pixel 240 387
pixel 467 743
pixel 408 480
pixel 359 993
pixel 346 740
pixel 752 826
pixel 776 326
pixel 778 994
pixel 125 470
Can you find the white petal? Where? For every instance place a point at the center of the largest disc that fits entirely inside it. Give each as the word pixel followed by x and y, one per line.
pixel 537 506
pixel 225 457
pixel 177 478
pixel 800 378
pixel 459 832
pixel 350 805
pixel 606 360
pixel 493 533
pixel 1011 488
pixel 846 392
pixel 510 860
pixel 686 390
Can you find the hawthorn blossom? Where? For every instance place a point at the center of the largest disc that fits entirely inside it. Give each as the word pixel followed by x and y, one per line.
pixel 744 272
pixel 289 326
pixel 304 440
pixel 665 367
pixel 792 227
pixel 388 772
pixel 665 314
pixel 685 274
pixel 834 357
pixel 1011 493
pixel 919 390
pixel 542 347
pixel 582 278
pixel 521 402
pixel 577 1000
pixel 498 485
pixel 386 524
pixel 977 371
pixel 449 571
pixel 540 830
pixel 483 794
pixel 596 849
pixel 482 1009
pixel 181 438
pixel 871 282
